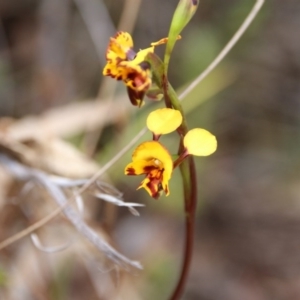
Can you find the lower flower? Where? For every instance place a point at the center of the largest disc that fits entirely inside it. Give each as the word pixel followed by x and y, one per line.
pixel 152 159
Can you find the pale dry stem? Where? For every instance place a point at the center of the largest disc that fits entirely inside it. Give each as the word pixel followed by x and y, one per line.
pixel 25 173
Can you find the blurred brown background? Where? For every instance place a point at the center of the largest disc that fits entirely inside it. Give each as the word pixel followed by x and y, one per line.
pixel 247 245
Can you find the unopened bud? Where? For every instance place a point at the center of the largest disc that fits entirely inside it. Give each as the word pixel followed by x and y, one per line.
pixel 183 14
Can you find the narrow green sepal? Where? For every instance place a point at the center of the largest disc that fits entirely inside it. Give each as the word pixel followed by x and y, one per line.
pixel 155 93
pixel 157 69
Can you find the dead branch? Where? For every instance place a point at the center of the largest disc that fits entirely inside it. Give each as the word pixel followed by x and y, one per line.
pixel 24 173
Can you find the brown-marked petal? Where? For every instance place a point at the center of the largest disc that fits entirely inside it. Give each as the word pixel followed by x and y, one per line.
pixel 153 160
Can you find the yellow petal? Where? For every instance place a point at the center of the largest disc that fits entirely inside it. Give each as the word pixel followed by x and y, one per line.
pixel 154 150
pixel 164 120
pixel 165 186
pixel 200 142
pixel 117 51
pixel 140 56
pixel 113 70
pixel 124 38
pixel 118 46
pixel 163 41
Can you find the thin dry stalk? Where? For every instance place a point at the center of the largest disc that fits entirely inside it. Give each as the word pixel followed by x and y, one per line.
pixel 29 174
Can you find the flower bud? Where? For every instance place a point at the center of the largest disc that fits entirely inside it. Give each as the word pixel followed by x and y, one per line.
pixel 183 13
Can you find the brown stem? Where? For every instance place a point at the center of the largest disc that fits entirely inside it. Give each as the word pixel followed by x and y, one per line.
pixel 188 172
pixel 156 137
pixel 180 159
pixel 165 86
pixel 190 196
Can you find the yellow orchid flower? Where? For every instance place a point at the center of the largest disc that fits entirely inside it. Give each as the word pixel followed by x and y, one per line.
pixel 152 159
pixel 123 63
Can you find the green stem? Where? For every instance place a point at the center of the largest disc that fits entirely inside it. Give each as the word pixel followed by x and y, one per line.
pixel 188 173
pixel 181 157
pixel 187 169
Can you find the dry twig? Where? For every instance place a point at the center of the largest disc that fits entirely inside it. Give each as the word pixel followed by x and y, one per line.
pixel 24 173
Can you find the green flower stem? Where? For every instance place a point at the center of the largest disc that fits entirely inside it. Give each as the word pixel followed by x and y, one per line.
pixel 188 173
pixel 181 157
pixel 187 169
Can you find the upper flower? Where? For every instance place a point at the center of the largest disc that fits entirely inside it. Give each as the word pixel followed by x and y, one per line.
pixel 123 63
pixel 154 160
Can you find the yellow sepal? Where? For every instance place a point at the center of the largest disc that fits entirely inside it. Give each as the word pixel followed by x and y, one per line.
pixel 200 142
pixel 164 120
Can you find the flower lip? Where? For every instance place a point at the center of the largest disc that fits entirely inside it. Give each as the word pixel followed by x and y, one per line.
pixel 135 97
pixel 152 159
pixel 137 79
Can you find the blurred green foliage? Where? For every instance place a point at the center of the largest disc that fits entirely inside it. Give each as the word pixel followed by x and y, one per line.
pixel 3 277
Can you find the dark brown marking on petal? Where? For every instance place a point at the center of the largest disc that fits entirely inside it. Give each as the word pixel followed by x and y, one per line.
pixel 148 169
pixel 117 34
pixel 130 171
pixel 156 196
pixel 131 75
